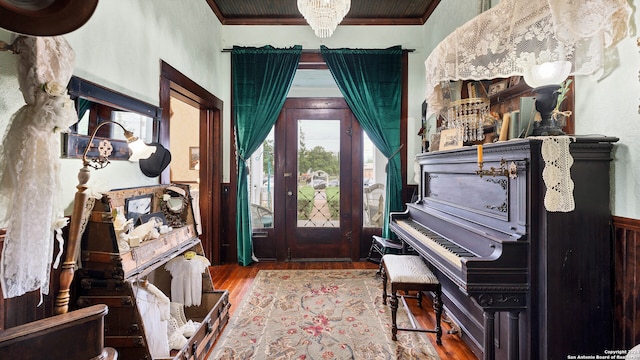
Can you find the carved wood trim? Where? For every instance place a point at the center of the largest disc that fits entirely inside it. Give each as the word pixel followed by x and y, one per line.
pixel 626 282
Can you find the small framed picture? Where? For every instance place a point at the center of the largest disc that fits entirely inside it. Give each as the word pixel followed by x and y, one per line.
pixel 137 206
pixel 498 87
pixel 514 80
pixel 158 216
pixel 451 139
pixel 194 158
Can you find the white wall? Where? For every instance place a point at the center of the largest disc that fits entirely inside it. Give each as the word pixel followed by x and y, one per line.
pixel 610 106
pixel 122 44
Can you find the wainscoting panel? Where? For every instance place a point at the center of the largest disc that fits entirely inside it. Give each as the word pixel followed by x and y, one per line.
pixel 627 282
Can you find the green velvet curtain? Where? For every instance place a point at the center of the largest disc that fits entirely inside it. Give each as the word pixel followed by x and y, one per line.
pixel 371 82
pixel 261 78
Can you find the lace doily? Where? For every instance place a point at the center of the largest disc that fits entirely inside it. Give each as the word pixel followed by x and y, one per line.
pixel 507 39
pixel 30 166
pixel 557 173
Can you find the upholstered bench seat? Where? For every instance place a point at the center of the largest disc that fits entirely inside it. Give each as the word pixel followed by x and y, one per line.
pixel 409 273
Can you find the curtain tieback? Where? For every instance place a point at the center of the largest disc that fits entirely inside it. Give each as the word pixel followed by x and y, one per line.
pixel 386 167
pixel 395 152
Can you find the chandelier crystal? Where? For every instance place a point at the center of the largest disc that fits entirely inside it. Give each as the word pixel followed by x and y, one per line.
pixel 324 15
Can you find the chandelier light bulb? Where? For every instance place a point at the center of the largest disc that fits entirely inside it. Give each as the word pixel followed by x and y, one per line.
pixel 324 15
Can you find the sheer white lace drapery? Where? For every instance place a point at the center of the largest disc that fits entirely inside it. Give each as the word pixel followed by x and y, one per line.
pixel 509 38
pixel 30 165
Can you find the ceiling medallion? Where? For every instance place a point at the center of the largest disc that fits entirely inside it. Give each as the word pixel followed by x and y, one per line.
pixel 324 15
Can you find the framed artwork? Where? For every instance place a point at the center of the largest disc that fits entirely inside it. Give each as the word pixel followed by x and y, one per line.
pixel 194 158
pixel 498 87
pixel 159 216
pixel 137 206
pixel 514 80
pixel 451 139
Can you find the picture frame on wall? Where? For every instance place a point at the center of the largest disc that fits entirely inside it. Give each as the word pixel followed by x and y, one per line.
pixel 514 80
pixel 194 158
pixel 498 87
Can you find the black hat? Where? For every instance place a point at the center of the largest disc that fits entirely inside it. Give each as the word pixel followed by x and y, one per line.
pixel 157 162
pixel 29 17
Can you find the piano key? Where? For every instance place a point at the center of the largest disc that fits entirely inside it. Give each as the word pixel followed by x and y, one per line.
pixel 448 250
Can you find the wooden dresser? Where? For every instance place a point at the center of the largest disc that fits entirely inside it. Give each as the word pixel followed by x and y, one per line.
pixel 110 274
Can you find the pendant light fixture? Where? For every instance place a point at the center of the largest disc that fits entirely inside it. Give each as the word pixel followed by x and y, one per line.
pixel 324 15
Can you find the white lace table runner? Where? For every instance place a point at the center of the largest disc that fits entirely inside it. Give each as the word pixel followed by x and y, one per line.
pixel 557 173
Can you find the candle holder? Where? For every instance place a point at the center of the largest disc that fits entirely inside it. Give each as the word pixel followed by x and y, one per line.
pixel 511 171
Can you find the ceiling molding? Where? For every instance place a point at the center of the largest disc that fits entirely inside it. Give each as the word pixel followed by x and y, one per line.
pixel 363 12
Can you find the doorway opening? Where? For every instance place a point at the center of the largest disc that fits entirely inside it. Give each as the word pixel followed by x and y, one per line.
pixel 314 86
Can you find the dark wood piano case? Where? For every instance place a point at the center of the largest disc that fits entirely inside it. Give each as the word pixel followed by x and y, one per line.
pixel 546 276
pixel 108 276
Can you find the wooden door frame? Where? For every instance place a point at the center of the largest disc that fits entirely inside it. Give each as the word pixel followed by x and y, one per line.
pixel 350 219
pixel 175 84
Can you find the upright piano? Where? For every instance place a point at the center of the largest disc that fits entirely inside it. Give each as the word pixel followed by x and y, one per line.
pixel 519 281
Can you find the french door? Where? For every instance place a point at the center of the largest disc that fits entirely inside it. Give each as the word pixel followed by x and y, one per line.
pixel 313 212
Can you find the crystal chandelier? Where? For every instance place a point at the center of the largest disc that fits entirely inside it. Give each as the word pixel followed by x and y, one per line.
pixel 324 15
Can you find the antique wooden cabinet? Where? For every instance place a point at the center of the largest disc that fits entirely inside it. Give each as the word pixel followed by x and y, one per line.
pixel 111 274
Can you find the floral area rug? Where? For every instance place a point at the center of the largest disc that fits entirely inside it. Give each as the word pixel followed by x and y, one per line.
pixel 318 314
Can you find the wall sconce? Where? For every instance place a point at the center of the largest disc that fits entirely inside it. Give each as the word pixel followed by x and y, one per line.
pixel 139 150
pixel 545 79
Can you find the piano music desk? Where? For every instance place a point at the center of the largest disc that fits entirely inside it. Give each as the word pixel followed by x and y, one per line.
pixel 410 273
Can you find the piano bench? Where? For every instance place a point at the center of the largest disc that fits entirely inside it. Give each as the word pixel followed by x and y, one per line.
pixel 384 246
pixel 410 273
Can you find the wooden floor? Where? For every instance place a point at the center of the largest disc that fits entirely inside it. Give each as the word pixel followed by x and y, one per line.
pixel 238 279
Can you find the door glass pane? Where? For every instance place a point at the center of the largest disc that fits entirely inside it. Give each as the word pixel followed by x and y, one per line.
pixel 261 184
pixel 374 183
pixel 318 173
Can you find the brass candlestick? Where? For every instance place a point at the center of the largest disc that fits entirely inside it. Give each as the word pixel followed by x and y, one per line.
pixel 511 171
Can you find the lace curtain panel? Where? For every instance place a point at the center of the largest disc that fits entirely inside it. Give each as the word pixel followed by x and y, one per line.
pixel 514 35
pixel 30 165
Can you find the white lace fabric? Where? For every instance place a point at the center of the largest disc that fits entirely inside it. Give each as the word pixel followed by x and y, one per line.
pixel 30 166
pixel 557 173
pixel 509 38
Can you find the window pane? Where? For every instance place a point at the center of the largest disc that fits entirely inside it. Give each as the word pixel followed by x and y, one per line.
pixel 374 185
pixel 319 173
pixel 261 184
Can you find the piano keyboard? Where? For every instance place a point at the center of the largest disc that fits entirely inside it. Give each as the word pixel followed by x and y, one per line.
pixel 443 247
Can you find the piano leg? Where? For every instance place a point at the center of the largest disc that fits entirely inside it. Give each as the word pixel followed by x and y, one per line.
pixel 489 335
pixel 514 336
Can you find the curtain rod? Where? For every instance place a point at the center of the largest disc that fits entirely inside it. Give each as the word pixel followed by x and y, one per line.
pixel 317 51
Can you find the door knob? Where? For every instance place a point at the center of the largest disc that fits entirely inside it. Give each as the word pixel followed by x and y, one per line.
pixel 289 193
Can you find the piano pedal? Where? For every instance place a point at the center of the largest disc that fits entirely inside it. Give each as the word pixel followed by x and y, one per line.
pixel 455 329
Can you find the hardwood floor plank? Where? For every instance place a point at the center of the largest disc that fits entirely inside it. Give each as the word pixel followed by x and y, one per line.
pixel 238 279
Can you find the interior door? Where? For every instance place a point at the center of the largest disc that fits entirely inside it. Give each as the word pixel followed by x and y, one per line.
pixel 317 173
